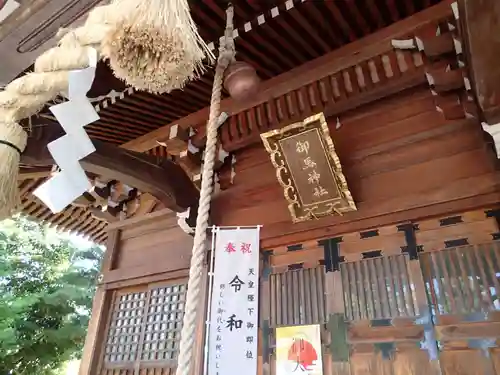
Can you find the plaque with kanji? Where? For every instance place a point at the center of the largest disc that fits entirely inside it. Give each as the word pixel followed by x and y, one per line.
pixel 308 169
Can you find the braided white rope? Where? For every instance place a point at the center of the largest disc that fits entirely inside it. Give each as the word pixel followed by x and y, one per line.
pixel 188 333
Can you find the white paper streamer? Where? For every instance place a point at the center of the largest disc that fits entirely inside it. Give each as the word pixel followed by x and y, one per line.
pixel 71 182
pixel 181 221
pixel 403 44
pixel 62 189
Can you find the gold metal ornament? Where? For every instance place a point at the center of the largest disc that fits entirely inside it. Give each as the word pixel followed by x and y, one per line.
pixel 308 169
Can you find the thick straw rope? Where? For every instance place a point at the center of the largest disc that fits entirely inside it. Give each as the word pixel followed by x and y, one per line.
pixel 28 94
pixel 188 334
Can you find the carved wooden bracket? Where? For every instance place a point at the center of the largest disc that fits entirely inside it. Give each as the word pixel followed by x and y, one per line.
pixel 441 47
pixel 167 181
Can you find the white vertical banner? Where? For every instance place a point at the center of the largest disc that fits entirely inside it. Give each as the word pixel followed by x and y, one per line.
pixel 234 311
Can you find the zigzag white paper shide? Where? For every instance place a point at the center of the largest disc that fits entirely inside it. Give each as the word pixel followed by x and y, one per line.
pixel 71 182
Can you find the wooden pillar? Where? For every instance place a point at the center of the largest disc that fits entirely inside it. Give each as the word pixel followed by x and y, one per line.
pixel 97 325
pixel 264 358
pixel 337 360
pixel 422 303
pixel 100 308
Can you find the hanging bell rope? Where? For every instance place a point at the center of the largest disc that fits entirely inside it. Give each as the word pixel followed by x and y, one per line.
pixel 188 334
pixel 154 45
pixel 27 95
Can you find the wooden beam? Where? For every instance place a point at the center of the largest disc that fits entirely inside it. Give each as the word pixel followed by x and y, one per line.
pixel 107 214
pixel 342 58
pixel 390 87
pixel 280 234
pixel 34 173
pixel 40 20
pixel 167 182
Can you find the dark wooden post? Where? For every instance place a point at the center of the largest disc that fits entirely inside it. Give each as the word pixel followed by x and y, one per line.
pixel 100 311
pixel 417 280
pixel 264 363
pixel 336 325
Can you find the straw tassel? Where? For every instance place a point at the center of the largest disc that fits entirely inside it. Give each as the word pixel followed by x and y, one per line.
pixel 154 45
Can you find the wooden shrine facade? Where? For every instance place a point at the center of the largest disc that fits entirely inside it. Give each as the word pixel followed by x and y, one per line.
pixel 139 304
pixel 406 284
pixel 136 120
pixel 414 306
pixel 387 299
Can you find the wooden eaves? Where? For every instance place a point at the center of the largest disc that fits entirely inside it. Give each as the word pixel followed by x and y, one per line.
pixel 375 44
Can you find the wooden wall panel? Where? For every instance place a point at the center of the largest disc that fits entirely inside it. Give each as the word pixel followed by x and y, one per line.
pixel 389 242
pixel 147 246
pixel 401 159
pixel 297 297
pixel 471 228
pixel 156 247
pixel 144 278
pixel 378 288
pixel 308 257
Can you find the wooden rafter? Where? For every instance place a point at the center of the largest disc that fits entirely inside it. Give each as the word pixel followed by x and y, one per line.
pixel 347 30
pixel 376 13
pixel 34 173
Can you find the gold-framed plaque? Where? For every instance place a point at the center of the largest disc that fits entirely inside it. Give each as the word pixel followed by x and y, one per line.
pixel 308 169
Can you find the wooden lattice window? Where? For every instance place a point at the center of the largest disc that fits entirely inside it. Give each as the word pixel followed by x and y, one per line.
pixel 125 328
pixel 297 297
pixel 463 280
pixel 144 328
pixel 164 323
pixel 378 288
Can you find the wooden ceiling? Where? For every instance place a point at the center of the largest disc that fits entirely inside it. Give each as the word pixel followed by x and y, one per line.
pixel 73 219
pixel 274 36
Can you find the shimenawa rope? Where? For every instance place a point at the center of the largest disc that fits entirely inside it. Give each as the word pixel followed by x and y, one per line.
pixel 28 94
pixel 166 54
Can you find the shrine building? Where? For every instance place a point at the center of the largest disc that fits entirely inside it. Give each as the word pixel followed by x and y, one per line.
pixel 366 157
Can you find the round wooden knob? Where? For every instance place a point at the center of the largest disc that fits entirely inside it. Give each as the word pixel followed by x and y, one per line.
pixel 241 81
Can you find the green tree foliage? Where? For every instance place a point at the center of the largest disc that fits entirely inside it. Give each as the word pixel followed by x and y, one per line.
pixel 46 285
